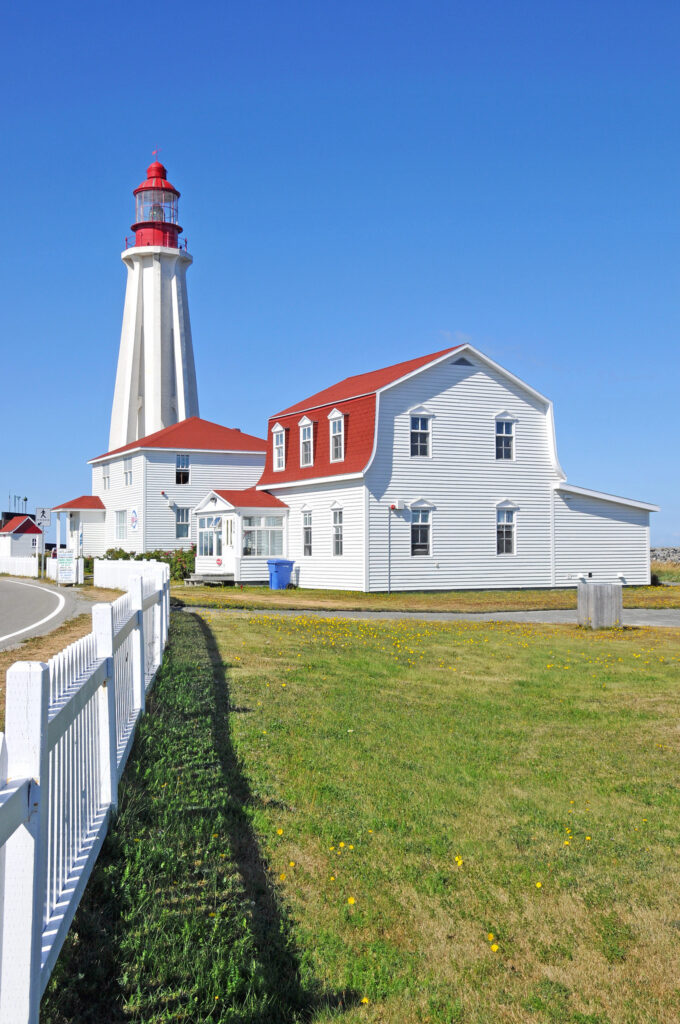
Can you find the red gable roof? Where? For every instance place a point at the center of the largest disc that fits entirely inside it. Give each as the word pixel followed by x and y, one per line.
pixel 355 398
pixel 197 435
pixel 85 501
pixel 250 498
pixel 20 524
pixel 364 383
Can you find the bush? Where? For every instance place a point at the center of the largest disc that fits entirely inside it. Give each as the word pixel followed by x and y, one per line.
pixel 114 554
pixel 182 563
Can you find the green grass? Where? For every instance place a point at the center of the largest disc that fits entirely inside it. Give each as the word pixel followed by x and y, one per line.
pixel 253 598
pixel 668 572
pixel 460 765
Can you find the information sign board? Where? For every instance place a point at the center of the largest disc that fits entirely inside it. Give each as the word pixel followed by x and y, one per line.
pixel 66 567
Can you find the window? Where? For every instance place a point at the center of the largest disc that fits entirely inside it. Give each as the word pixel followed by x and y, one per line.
pixel 106 478
pixel 182 522
pixel 337 531
pixel 210 536
pixel 127 472
pixel 306 533
pixel 420 436
pixel 337 439
pixel 181 469
pixel 279 450
pixel 505 531
pixel 306 443
pixel 420 531
pixel 504 438
pixel 121 524
pixel 262 536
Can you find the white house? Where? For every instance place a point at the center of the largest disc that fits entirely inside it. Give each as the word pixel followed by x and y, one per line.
pixel 439 473
pixel 238 531
pixel 143 492
pixel 19 538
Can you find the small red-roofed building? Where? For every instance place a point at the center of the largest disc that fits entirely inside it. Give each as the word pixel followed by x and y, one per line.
pixel 237 532
pixel 144 491
pixel 19 537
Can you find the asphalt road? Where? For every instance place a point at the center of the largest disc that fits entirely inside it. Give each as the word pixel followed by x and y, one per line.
pixel 32 608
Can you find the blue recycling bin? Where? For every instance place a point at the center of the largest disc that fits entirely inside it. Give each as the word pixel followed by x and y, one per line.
pixel 280 570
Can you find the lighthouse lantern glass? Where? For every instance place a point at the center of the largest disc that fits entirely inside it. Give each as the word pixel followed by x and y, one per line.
pixel 155 204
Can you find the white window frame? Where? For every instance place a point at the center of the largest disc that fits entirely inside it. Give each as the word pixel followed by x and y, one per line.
pixel 336 431
pixel 127 472
pixel 417 519
pixel 184 522
pixel 337 531
pixel 421 414
pixel 306 428
pixel 209 536
pixel 278 448
pixel 307 525
pixel 506 515
pixel 182 465
pixel 260 526
pixel 506 418
pixel 106 477
pixel 121 524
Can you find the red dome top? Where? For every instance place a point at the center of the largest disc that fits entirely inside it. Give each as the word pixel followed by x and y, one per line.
pixel 156 177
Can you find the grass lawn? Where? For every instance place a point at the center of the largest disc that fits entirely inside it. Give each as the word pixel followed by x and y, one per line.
pixel 392 822
pixel 253 598
pixel 668 572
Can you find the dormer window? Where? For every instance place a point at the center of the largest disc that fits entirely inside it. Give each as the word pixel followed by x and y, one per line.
pixel 337 435
pixel 279 442
pixel 505 436
pixel 306 442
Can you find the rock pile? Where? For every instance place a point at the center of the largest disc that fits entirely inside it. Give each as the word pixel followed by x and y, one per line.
pixel 665 554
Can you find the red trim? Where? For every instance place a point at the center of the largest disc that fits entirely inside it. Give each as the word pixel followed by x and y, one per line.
pixel 20 524
pixel 198 435
pixel 250 498
pixel 85 501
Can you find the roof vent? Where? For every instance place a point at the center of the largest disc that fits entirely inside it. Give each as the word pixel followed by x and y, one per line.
pixel 462 362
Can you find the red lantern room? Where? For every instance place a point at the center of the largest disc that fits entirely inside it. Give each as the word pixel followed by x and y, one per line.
pixel 156 210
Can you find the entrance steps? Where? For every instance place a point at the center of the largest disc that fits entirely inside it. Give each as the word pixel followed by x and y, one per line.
pixel 210 579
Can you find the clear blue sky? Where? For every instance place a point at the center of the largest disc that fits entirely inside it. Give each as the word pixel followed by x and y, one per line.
pixel 361 183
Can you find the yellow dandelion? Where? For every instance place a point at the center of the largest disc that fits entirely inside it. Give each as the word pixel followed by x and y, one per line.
pixel 291 863
pixel 341 844
pixel 566 842
pixel 351 901
pixel 279 831
pixel 351 847
pixel 539 884
pixel 211 915
pixel 490 936
pixel 494 948
pixel 365 999
pixel 332 878
pixel 282 876
pixel 587 839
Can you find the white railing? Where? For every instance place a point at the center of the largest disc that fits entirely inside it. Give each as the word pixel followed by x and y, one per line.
pixel 69 726
pixel 20 566
pixel 117 573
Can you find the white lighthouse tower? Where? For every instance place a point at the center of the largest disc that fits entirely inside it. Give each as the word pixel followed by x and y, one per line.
pixel 156 378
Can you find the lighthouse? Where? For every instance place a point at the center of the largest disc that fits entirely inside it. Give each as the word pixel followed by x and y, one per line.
pixel 156 377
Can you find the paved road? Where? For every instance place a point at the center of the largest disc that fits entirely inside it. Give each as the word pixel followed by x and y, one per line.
pixel 666 617
pixel 31 608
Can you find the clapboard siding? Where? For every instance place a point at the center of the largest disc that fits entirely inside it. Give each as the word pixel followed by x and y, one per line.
pixel 209 471
pixel 324 569
pixel 120 496
pixel 463 481
pixel 153 472
pixel 592 535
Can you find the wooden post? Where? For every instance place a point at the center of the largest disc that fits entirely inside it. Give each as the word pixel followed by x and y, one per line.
pixel 136 591
pixel 102 627
pixel 26 851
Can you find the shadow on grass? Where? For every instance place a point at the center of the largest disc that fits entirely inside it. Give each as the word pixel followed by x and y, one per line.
pixel 181 920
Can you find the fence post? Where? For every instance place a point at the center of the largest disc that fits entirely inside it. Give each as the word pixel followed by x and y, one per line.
pixel 102 627
pixel 27 704
pixel 157 621
pixel 136 592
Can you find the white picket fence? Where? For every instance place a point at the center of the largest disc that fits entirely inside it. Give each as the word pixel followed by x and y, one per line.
pixel 69 726
pixel 20 566
pixel 117 573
